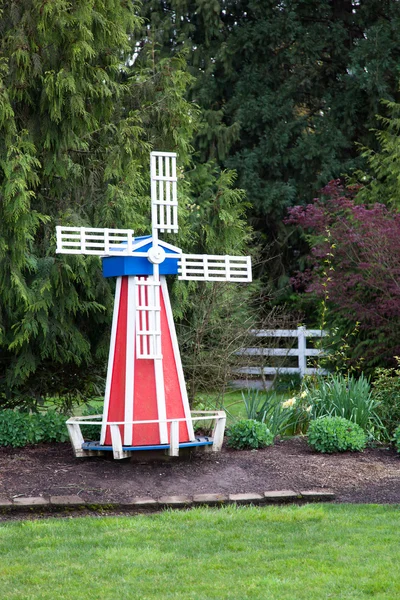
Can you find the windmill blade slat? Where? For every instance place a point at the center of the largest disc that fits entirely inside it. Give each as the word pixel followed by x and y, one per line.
pixel 243 279
pixel 87 244
pixel 166 178
pixel 216 257
pixel 165 203
pixel 216 272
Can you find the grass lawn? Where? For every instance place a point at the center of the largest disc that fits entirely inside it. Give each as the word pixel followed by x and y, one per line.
pixel 310 552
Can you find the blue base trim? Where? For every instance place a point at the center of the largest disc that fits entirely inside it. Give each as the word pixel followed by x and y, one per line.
pixel 199 441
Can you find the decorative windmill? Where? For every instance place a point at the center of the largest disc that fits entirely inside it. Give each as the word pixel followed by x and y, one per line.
pixel 146 404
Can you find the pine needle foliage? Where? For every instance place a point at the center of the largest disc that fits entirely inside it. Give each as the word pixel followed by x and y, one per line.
pixel 380 181
pixel 85 95
pixel 78 118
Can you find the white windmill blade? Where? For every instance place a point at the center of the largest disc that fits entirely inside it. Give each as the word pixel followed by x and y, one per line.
pixel 95 241
pixel 164 201
pixel 205 267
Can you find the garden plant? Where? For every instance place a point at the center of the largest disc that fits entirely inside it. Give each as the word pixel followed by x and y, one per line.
pixel 350 397
pixel 336 434
pixel 386 392
pixel 18 429
pixel 397 438
pixel 283 417
pixel 249 434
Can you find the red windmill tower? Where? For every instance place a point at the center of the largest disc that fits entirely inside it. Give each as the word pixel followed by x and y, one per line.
pixel 146 404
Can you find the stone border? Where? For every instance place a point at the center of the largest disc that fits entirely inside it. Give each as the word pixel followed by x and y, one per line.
pixel 74 502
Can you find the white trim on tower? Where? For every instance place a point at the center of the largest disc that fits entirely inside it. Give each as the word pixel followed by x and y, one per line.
pixel 111 359
pixel 177 356
pixel 158 365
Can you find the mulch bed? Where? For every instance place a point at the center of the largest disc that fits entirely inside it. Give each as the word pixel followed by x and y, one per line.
pixel 372 476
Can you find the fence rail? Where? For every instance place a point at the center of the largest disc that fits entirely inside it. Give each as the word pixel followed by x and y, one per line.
pixel 301 352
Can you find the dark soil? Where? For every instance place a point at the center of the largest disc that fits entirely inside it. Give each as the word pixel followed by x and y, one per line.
pixel 372 476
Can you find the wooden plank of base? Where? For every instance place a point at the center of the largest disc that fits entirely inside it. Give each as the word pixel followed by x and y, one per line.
pixel 116 441
pixel 76 437
pixel 174 439
pixel 218 432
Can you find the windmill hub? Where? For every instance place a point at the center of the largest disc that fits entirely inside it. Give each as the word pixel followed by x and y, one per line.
pixel 156 255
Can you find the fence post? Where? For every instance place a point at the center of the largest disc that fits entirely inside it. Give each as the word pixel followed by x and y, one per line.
pixel 301 334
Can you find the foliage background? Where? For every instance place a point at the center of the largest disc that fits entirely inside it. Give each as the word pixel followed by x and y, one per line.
pixel 265 102
pixel 79 114
pixel 287 90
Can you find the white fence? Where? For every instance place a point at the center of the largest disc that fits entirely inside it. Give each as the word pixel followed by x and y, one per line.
pixel 301 352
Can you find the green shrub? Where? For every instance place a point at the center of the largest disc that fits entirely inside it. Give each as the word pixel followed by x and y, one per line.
pixel 397 438
pixel 249 433
pixel 346 397
pixel 386 392
pixel 50 426
pixel 19 429
pixel 91 432
pixel 336 434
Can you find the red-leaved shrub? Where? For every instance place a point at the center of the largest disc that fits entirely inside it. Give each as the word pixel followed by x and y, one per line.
pixel 355 265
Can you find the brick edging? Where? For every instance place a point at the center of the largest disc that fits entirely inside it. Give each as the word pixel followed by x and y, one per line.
pixel 51 503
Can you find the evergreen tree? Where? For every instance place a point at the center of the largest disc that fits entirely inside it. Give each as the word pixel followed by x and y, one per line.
pixel 75 119
pixel 379 182
pixel 82 103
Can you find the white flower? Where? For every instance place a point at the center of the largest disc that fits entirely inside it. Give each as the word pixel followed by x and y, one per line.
pixel 289 403
pixel 303 394
pixel 308 409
